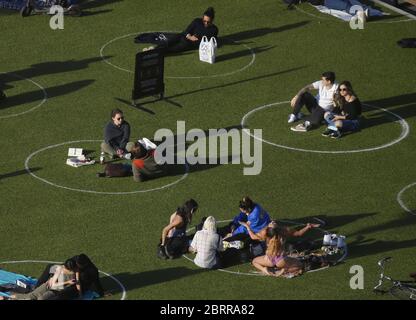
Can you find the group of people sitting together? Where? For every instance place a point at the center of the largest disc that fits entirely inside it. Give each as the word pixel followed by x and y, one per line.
pixel 73 279
pixel 116 145
pixel 337 105
pixel 263 239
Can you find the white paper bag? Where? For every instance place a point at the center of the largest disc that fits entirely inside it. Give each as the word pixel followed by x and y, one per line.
pixel 75 152
pixel 208 49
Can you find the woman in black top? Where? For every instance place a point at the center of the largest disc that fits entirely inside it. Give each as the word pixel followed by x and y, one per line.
pixel 346 114
pixel 187 40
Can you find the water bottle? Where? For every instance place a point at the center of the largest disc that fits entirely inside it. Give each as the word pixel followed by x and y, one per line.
pixel 102 158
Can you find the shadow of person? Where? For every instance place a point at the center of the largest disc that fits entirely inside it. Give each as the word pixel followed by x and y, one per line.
pixel 139 280
pixel 51 67
pixel 362 246
pixel 37 95
pixel 241 53
pixel 259 32
pixel 18 173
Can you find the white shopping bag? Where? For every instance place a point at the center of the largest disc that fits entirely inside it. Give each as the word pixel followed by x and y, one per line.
pixel 208 49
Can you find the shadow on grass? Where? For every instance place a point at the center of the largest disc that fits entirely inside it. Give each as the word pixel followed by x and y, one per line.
pixel 148 278
pixel 52 67
pixel 404 105
pixel 259 32
pixel 242 53
pixel 230 84
pixel 18 173
pixel 92 4
pixel 38 95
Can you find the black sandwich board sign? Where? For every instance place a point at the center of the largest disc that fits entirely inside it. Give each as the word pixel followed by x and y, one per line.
pixel 148 74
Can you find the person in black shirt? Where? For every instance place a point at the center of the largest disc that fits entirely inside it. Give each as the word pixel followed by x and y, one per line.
pixel 116 135
pixel 187 40
pixel 345 117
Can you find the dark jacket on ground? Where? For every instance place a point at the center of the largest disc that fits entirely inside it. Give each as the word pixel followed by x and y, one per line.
pixel 117 137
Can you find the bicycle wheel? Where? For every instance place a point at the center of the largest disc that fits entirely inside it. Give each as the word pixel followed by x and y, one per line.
pixel 404 292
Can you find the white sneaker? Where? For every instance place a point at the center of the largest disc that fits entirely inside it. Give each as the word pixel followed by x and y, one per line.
pixel 302 127
pixel 292 118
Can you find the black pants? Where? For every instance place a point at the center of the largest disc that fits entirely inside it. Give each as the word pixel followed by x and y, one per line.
pixel 309 101
pixel 169 42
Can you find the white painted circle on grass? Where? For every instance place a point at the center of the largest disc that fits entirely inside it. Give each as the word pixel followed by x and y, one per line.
pixel 123 289
pixel 404 133
pixel 400 200
pixel 45 96
pixel 92 191
pixel 253 58
pixel 259 274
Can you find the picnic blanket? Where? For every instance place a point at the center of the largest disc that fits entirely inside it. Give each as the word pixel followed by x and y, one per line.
pixel 11 278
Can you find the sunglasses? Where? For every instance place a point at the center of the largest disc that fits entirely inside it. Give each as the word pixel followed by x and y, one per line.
pixel 343 89
pixel 206 21
pixel 121 118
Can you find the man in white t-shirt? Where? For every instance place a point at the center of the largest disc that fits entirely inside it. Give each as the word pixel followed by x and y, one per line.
pixel 317 106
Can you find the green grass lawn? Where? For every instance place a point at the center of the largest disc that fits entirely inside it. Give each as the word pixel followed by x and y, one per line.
pixel 354 192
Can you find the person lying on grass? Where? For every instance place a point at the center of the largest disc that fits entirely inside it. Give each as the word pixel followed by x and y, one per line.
pixel 144 165
pixel 275 256
pixel 174 241
pixel 187 40
pixel 344 118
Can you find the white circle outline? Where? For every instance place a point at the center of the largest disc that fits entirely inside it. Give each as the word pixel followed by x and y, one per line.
pixel 45 95
pixel 253 58
pixel 123 297
pixel 27 168
pixel 259 274
pixel 338 20
pixel 403 134
pixel 400 200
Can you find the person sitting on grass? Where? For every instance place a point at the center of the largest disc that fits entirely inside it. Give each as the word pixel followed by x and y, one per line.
pixel 275 256
pixel 116 135
pixel 346 117
pixel 206 243
pixel 87 276
pixel 317 106
pixel 253 215
pixel 144 165
pixel 64 276
pixel 187 40
pixel 174 241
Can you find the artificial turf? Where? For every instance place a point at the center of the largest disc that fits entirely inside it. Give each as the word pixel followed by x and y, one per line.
pixel 354 192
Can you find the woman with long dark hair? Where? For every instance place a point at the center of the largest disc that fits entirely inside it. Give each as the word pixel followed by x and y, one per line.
pixel 174 241
pixel 345 116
